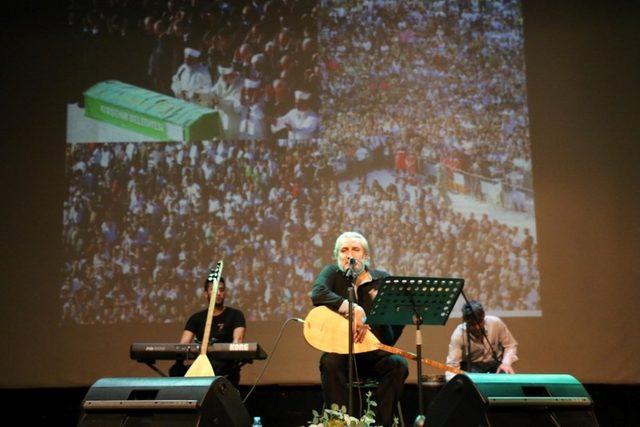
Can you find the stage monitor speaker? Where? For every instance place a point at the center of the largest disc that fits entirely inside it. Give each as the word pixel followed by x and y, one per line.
pixel 193 401
pixel 521 400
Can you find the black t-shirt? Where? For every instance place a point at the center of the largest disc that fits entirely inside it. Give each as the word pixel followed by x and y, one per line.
pixel 222 325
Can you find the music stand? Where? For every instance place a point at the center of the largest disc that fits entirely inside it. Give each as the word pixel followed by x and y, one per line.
pixel 416 301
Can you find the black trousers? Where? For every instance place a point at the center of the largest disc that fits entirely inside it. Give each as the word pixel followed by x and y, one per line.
pixel 389 370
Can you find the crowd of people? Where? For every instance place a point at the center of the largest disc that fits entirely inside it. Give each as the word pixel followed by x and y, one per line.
pixel 443 81
pixel 144 221
pixel 254 61
pixel 148 219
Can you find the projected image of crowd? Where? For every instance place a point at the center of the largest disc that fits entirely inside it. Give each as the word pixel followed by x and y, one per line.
pixel 443 82
pixel 144 222
pixel 423 147
pixel 256 63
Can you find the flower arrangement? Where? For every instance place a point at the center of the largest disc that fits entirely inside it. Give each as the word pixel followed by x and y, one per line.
pixel 337 416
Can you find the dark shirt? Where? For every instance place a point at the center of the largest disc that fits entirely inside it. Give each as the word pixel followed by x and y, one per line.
pixel 222 325
pixel 331 289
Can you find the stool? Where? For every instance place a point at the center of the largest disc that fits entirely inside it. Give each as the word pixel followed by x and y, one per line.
pixel 372 384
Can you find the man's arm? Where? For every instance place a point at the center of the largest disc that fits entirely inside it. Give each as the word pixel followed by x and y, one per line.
pixel 323 290
pixel 238 334
pixel 176 85
pixel 282 122
pixel 239 327
pixel 187 337
pixel 454 357
pixel 510 346
pixel 192 325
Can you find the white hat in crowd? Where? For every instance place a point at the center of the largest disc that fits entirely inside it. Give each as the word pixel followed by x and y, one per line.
pixel 191 52
pixel 251 84
pixel 257 59
pixel 301 95
pixel 223 71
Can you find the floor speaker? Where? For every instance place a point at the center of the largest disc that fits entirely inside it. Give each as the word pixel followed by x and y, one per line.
pixel 521 400
pixel 193 401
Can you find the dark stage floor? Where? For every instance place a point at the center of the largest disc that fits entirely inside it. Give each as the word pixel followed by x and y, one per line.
pixel 615 405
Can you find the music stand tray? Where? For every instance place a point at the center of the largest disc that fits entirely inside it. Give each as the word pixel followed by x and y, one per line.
pixel 400 298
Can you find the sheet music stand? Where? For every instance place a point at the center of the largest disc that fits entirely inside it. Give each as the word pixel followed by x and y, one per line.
pixel 415 301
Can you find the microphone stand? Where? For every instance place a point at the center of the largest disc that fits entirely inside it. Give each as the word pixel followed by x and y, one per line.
pixel 351 277
pixel 420 418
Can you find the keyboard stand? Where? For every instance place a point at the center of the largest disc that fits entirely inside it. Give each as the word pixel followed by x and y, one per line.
pixel 155 368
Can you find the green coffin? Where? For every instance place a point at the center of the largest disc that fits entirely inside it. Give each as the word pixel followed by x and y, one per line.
pixel 150 113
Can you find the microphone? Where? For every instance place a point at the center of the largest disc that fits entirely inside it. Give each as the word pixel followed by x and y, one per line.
pixel 351 271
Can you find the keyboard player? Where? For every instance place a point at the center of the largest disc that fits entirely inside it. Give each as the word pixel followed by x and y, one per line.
pixel 228 326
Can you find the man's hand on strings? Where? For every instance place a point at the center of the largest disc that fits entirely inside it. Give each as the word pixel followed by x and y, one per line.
pixel 359 328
